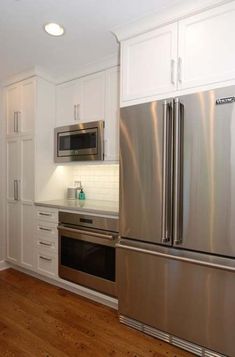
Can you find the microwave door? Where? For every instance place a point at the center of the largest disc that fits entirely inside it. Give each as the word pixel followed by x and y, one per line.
pixel 79 142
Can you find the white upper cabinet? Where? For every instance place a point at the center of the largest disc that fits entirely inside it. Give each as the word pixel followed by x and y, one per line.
pixel 20 107
pixel 80 101
pixel 68 103
pixel 148 63
pixel 186 56
pixel 206 49
pixel 13 108
pixel 93 97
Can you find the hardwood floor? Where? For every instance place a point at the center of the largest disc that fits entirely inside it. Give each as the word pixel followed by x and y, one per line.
pixel 38 319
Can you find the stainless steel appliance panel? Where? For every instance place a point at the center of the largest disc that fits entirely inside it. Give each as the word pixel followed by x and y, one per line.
pixel 208 206
pixel 184 298
pixel 145 157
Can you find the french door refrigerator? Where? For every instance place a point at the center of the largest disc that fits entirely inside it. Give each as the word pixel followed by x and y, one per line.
pixel 175 259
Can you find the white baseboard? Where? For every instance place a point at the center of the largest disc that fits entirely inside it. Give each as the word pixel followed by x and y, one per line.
pixel 3 265
pixel 74 288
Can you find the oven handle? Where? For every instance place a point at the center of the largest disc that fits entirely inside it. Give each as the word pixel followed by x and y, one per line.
pixel 93 234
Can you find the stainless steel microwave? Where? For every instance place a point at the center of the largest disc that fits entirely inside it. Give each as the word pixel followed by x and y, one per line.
pixel 79 142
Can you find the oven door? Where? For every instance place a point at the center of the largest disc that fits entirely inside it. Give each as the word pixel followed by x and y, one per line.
pixel 88 258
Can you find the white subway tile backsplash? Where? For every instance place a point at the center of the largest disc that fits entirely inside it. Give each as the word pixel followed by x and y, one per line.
pixel 100 182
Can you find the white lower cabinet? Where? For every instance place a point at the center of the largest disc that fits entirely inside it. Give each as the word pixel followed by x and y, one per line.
pixel 46 241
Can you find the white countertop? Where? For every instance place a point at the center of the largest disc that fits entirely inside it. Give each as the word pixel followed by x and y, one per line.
pixel 91 206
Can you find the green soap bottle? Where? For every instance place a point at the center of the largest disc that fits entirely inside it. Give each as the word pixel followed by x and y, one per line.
pixel 81 195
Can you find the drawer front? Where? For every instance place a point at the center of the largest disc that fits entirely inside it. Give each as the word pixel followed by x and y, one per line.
pixel 47 263
pixel 47 214
pixel 46 230
pixel 47 245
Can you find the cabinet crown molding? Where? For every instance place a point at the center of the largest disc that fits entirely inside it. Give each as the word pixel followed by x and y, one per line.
pixel 165 16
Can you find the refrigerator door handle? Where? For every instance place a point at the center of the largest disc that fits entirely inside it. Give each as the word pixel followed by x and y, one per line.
pixel 166 173
pixel 178 172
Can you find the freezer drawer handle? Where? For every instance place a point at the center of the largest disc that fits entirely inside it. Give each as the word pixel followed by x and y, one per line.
pixel 173 257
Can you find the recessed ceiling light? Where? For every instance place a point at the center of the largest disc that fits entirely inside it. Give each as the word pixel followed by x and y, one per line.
pixel 54 29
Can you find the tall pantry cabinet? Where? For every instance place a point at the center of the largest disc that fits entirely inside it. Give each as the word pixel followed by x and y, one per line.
pixel 29 106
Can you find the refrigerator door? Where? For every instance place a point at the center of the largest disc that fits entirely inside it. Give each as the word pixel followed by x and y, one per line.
pixel 206 173
pixel 146 172
pixel 190 296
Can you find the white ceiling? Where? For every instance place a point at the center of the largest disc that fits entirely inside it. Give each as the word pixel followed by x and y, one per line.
pixel 24 44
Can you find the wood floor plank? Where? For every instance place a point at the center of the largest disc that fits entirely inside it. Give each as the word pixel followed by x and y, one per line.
pixel 38 319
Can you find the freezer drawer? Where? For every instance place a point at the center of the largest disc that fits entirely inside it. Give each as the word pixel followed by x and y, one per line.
pixel 191 301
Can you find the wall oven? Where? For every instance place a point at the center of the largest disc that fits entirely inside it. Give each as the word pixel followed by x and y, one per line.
pixel 79 142
pixel 87 253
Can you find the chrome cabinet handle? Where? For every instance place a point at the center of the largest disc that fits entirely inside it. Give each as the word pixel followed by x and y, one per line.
pixel 15 190
pixel 15 126
pixel 92 234
pixel 75 112
pixel 45 229
pixel 46 244
pixel 44 258
pixel 178 181
pixel 180 69
pixel 172 71
pixel 17 121
pixel 167 173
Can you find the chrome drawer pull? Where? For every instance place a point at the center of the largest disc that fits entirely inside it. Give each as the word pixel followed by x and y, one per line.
pixel 46 244
pixel 44 258
pixel 45 229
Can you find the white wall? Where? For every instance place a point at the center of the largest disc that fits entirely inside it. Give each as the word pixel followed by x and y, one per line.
pixel 100 182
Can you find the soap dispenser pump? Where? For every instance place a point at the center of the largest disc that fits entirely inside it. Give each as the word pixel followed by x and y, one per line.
pixel 81 195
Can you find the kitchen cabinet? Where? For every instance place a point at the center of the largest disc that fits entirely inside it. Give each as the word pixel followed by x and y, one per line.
pixel 32 99
pixel 20 104
pixel 91 98
pixel 148 63
pixel 206 52
pixel 20 195
pixel 112 112
pixel 81 100
pixel 189 54
pixel 68 103
pixel 46 241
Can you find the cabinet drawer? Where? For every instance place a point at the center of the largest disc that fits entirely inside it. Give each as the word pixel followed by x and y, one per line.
pixel 47 263
pixel 46 230
pixel 47 245
pixel 47 214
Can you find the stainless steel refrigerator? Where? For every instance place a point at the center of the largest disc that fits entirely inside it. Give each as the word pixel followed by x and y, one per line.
pixel 175 259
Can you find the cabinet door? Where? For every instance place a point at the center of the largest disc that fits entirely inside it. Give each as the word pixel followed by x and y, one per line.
pixel 13 231
pixel 27 235
pixel 206 49
pixel 27 169
pixel 27 103
pixel 12 168
pixel 148 64
pixel 68 103
pixel 93 97
pixel 13 108
pixel 111 133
